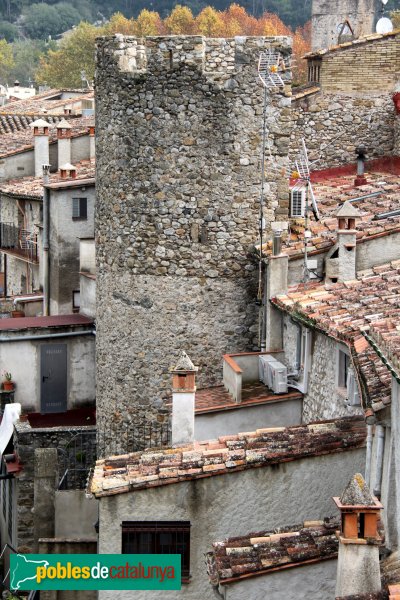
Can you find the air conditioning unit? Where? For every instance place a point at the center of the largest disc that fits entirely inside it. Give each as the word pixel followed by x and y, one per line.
pixel 265 374
pixel 273 374
pixel 297 203
pixel 353 396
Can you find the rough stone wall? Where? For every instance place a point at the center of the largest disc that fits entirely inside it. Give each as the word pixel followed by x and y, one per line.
pixel 364 67
pixel 179 125
pixel 26 441
pixel 333 125
pixel 323 399
pixel 327 14
pixel 396 150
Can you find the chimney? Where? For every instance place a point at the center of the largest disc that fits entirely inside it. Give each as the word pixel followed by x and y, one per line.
pixel 361 157
pixel 92 142
pixel 277 283
pixel 183 396
pixel 341 260
pixel 358 570
pixel 41 135
pixel 64 142
pixel 67 170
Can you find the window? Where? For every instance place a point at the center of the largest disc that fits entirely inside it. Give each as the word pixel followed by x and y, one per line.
pixel 76 301
pixel 343 368
pixel 79 208
pixel 158 537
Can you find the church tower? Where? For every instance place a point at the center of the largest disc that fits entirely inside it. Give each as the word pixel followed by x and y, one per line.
pixel 334 21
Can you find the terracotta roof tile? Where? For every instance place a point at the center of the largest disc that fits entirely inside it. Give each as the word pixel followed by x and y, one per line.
pixel 268 551
pixel 331 195
pixel 243 451
pixel 373 305
pixel 22 140
pixel 32 187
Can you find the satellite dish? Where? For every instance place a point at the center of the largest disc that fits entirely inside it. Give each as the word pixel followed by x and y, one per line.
pixel 384 25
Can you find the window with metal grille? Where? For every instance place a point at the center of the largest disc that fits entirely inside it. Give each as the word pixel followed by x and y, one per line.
pixel 297 203
pixel 158 537
pixel 79 208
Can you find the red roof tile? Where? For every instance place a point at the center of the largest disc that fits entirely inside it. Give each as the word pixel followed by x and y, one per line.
pixel 228 454
pixel 44 322
pixel 32 187
pixel 268 551
pixel 330 195
pixel 345 310
pixel 218 398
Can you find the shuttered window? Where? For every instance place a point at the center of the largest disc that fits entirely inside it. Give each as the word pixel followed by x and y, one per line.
pixel 79 208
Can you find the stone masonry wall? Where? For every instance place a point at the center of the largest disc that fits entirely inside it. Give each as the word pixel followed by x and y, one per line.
pixel 327 14
pixel 396 150
pixel 333 125
pixel 179 123
pixel 26 440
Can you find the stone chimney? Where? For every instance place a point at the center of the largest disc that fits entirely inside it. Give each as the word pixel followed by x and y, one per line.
pixel 64 142
pixel 341 260
pixel 41 135
pixel 277 283
pixel 361 158
pixel 67 170
pixel 92 142
pixel 358 570
pixel 183 396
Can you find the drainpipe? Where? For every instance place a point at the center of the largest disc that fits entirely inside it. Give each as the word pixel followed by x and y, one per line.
pixel 368 458
pixel 46 246
pixel 380 433
pixel 46 336
pixel 263 340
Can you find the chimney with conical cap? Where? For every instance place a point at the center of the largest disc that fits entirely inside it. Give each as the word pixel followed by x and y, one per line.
pixel 358 570
pixel 41 134
pixel 183 398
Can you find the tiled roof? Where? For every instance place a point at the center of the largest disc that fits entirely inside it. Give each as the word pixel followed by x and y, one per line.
pixel 331 193
pixel 271 550
pixel 365 39
pixel 44 103
pixel 23 140
pixel 386 335
pixel 345 310
pixel 44 322
pixel 32 187
pixel 227 454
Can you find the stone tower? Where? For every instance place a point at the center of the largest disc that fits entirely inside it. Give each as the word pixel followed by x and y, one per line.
pixel 179 123
pixel 328 15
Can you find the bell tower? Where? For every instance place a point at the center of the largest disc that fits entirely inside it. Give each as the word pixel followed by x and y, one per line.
pixel 333 19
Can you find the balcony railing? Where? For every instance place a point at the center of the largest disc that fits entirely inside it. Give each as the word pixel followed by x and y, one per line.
pixel 20 242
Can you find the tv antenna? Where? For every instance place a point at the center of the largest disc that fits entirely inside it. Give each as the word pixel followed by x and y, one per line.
pixel 271 66
pixel 384 25
pixel 303 182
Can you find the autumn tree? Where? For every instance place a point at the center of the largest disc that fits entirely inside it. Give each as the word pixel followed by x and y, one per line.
pixel 6 61
pixel 148 23
pixel 209 22
pixel 395 16
pixel 63 67
pixel 180 21
pixel 120 24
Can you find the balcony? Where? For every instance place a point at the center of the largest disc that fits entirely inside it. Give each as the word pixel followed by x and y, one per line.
pixel 21 243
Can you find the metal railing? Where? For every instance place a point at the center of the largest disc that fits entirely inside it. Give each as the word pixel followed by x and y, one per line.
pixel 123 438
pixel 21 242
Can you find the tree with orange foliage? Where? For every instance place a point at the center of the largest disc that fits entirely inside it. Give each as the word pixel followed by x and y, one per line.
pixel 120 24
pixel 180 21
pixel 148 23
pixel 209 22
